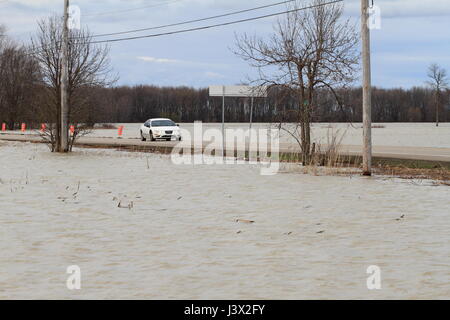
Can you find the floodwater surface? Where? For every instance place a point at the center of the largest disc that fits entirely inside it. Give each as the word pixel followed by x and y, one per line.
pixel 383 134
pixel 139 226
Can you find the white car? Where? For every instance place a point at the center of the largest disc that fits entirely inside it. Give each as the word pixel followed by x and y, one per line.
pixel 160 128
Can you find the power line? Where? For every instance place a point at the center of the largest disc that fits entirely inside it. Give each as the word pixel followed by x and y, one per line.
pixel 217 25
pixel 39 49
pixel 132 9
pixel 195 20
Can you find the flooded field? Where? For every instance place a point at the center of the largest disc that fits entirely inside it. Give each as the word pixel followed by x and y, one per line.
pixel 383 134
pixel 139 226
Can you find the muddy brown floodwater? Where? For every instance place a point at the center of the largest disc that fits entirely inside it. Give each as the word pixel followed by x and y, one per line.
pixel 175 234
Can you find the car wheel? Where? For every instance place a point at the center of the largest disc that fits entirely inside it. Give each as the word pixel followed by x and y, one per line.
pixel 142 137
pixel 179 139
pixel 151 137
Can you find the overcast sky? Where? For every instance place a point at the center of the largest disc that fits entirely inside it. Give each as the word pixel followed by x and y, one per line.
pixel 413 34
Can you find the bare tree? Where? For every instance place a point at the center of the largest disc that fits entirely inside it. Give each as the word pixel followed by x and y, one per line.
pixel 89 67
pixel 438 81
pixel 310 49
pixel 19 73
pixel 2 35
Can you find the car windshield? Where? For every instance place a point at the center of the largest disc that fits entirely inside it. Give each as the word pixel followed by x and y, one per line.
pixel 163 123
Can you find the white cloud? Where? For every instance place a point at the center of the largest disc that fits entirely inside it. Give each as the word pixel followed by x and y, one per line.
pixel 185 63
pixel 159 60
pixel 399 58
pixel 214 75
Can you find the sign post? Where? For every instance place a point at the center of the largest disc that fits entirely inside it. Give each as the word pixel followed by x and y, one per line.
pixel 236 91
pixel 223 121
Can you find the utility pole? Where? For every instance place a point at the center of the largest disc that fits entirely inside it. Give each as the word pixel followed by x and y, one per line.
pixel 367 98
pixel 65 82
pixel 223 122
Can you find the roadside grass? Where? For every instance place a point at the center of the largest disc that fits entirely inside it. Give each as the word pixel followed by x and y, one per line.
pixel 399 168
pixel 331 162
pixel 414 169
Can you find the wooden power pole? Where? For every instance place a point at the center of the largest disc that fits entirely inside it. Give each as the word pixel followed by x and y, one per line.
pixel 367 98
pixel 65 82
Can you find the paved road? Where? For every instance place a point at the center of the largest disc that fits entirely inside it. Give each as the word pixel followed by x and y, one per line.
pixel 411 153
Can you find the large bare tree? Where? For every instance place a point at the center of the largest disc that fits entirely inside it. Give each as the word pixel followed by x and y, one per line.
pixel 2 35
pixel 438 81
pixel 309 50
pixel 89 67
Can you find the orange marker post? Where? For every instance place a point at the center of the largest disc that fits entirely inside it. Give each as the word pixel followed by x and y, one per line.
pixel 3 126
pixel 23 127
pixel 43 127
pixel 120 131
pixel 72 129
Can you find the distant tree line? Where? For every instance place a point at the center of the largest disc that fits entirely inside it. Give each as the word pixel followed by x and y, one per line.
pixel 139 103
pixel 136 104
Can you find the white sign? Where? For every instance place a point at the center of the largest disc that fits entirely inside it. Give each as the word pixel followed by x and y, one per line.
pixel 237 91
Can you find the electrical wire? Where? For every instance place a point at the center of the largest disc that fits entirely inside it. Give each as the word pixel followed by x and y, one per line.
pixel 132 9
pixel 36 50
pixel 218 25
pixel 194 20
